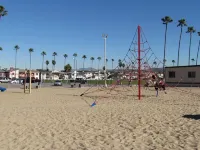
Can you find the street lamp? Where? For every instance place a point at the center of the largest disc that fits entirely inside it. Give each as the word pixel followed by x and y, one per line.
pixel 105 37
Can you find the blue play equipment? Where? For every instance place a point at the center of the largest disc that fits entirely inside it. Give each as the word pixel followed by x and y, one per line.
pixel 93 104
pixel 2 89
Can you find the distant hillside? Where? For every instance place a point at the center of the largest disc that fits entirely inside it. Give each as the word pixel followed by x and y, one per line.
pixel 86 69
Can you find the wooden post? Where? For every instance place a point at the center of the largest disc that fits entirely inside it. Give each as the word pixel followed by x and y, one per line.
pixel 30 82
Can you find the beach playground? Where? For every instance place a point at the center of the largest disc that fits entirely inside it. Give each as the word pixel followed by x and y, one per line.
pixel 58 118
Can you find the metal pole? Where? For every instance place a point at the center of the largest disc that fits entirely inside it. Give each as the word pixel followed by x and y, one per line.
pixel 139 65
pixel 105 78
pixel 15 64
pixel 25 77
pixel 30 82
pixel 76 65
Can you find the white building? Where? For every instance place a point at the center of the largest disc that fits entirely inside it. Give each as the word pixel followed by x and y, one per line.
pixel 183 74
pixel 12 73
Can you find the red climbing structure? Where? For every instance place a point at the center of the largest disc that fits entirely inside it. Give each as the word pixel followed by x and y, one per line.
pixel 139 66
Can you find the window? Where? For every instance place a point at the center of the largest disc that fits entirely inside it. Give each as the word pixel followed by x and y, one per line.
pixel 172 74
pixel 191 74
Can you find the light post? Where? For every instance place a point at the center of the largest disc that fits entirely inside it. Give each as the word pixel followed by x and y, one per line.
pixel 105 75
pixel 76 65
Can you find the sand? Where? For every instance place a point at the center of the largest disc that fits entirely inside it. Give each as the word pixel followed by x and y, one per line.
pixel 59 119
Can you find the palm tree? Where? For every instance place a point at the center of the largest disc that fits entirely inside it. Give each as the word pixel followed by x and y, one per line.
pixel 43 54
pixel 173 61
pixel 54 58
pixel 30 51
pixel 16 48
pixel 47 63
pixel 120 64
pixel 84 57
pixel 112 62
pixel 75 55
pixel 3 12
pixel 192 60
pixel 65 56
pixel 99 59
pixel 182 23
pixel 92 59
pixel 54 55
pixel 1 49
pixel 53 63
pixel 165 21
pixel 198 49
pixel 190 30
pixel 123 65
pixel 155 63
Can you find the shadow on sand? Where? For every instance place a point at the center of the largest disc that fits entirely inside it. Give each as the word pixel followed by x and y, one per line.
pixel 195 117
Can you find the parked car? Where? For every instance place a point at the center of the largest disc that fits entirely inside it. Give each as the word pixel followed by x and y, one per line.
pixel 4 80
pixel 15 81
pixel 78 80
pixel 57 83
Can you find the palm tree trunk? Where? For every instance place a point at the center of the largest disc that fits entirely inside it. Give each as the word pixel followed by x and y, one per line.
pixel 83 64
pixel 190 48
pixel 30 61
pixel 98 65
pixel 92 65
pixel 198 53
pixel 179 46
pixel 164 51
pixel 15 64
pixel 65 62
pixel 42 62
pixel 74 64
pixel 112 65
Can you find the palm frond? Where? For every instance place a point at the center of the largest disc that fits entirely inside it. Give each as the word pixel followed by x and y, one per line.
pixel 31 50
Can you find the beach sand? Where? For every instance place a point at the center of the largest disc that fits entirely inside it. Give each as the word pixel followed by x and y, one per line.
pixel 59 119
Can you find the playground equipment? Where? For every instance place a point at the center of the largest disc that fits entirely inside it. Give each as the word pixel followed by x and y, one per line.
pixel 139 65
pixel 2 89
pixel 136 68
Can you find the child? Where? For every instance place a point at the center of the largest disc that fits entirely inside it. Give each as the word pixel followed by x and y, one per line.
pixel 156 85
pixel 146 85
pixel 162 84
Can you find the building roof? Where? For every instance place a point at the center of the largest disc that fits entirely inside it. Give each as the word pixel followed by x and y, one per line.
pixel 23 70
pixel 184 66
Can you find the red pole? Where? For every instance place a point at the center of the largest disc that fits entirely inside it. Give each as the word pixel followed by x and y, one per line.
pixel 139 65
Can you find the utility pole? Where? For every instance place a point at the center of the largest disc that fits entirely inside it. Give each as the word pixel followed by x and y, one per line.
pixel 105 67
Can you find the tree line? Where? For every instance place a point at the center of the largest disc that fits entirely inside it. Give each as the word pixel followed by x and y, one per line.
pixel 190 30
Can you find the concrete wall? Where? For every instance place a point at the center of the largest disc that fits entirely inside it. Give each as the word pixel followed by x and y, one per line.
pixel 182 73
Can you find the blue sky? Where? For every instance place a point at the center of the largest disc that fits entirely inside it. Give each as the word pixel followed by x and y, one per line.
pixel 67 27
